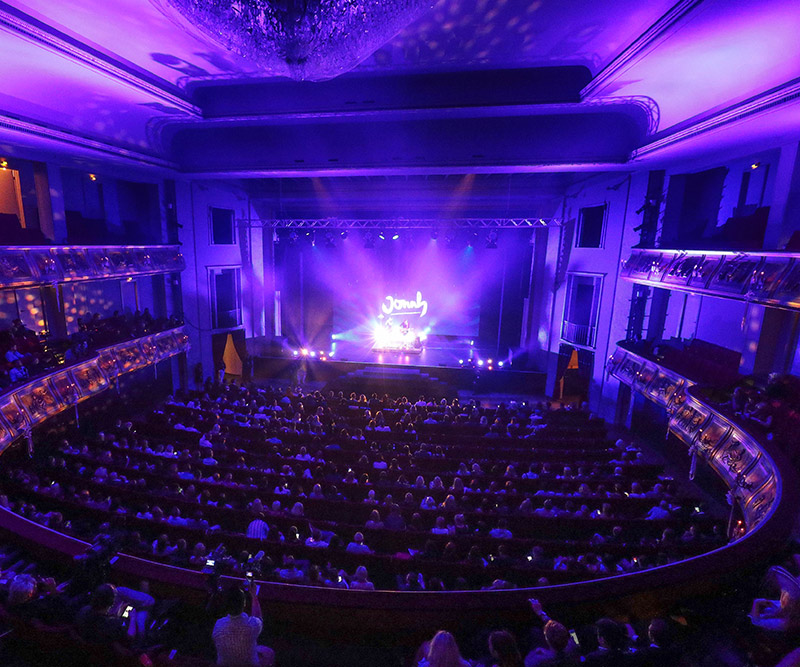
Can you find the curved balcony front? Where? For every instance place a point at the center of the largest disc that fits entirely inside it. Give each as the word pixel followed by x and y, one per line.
pixel 768 278
pixel 745 463
pixel 63 388
pixel 22 266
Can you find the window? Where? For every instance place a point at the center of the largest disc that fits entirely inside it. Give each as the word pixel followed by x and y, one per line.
pixel 581 309
pixel 591 225
pixel 226 299
pixel 223 231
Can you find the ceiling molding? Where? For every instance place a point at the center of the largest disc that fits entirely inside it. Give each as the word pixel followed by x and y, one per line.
pixel 785 94
pixel 654 34
pixel 65 138
pixel 26 27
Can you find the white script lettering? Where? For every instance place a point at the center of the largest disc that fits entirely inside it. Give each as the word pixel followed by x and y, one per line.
pixel 393 306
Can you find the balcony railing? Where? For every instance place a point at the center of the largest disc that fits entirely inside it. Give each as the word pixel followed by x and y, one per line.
pixel 734 454
pixel 579 334
pixel 25 406
pixel 771 279
pixel 47 265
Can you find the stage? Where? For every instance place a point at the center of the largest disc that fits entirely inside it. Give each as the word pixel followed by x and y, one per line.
pixel 435 371
pixel 440 351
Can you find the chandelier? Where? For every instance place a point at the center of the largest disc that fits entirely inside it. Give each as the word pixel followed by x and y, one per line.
pixel 309 40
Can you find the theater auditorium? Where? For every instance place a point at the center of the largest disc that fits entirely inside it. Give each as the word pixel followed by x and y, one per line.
pixel 407 333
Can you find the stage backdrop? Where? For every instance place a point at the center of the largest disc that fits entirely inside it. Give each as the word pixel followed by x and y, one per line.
pixel 345 291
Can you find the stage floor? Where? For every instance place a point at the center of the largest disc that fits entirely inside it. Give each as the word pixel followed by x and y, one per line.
pixel 437 354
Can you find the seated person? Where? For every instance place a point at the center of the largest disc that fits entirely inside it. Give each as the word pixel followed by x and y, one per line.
pixel 95 622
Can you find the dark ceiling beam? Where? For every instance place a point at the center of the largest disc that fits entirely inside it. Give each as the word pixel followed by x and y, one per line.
pixel 22 25
pixel 354 93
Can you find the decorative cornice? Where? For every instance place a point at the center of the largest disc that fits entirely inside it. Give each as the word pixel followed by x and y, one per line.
pixel 26 28
pixel 655 33
pixel 65 137
pixel 766 101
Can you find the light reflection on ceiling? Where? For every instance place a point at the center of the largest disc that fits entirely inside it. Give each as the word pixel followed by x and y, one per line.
pixel 720 53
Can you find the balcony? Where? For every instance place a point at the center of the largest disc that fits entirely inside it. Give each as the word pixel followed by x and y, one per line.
pixel 48 265
pixel 771 279
pixel 25 406
pixel 745 465
pixel 578 334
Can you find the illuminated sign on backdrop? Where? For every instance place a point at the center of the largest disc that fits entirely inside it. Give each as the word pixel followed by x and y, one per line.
pixel 394 306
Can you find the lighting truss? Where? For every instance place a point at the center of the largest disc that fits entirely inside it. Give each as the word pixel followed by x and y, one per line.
pixel 401 223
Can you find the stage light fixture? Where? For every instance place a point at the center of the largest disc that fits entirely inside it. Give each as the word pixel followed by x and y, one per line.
pixel 480 362
pixel 488 361
pixel 344 234
pixel 313 236
pixel 295 353
pixel 500 364
pixel 491 240
pixel 382 236
pixel 293 237
pixel 434 234
pixel 304 352
pixel 92 177
pixel 755 165
pixel 395 236
pixel 330 240
pixel 473 240
pixel 460 362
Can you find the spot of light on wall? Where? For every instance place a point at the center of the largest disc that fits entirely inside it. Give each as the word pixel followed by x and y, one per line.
pixel 3 163
pixel 755 165
pixel 92 177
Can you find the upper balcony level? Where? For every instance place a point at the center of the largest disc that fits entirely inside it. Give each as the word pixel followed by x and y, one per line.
pixel 768 278
pixel 22 266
